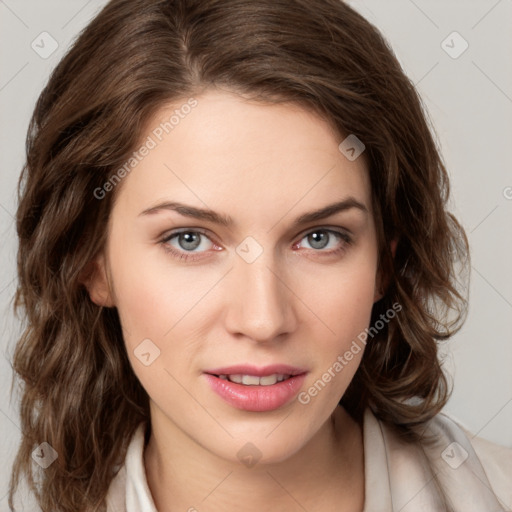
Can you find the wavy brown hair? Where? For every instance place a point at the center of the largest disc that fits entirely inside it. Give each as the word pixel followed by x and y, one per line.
pixel 78 390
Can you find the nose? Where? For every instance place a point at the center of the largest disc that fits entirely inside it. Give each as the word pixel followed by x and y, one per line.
pixel 260 302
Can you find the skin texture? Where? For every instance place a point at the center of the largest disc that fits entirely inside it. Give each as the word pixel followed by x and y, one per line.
pixel 263 165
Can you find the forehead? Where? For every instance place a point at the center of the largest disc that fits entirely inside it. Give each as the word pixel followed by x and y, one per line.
pixel 237 155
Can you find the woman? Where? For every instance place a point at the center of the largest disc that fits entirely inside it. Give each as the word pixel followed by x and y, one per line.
pixel 236 265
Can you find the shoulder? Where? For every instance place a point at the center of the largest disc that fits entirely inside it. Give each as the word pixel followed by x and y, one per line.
pixel 459 448
pixel 496 461
pixel 128 490
pixel 448 467
pixel 115 499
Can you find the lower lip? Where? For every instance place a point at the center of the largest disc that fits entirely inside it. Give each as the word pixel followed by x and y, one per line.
pixel 256 398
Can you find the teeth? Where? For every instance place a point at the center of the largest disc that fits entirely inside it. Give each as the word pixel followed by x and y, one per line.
pixel 268 380
pixel 253 380
pixel 250 380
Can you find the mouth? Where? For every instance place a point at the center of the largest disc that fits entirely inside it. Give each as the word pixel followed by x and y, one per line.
pixel 254 380
pixel 256 389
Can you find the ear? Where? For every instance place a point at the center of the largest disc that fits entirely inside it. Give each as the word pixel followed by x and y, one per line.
pixel 382 281
pixel 95 278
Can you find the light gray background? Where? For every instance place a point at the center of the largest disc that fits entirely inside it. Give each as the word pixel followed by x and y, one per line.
pixel 469 99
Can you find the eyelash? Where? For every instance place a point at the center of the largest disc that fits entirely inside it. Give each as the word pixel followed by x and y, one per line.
pixel 190 256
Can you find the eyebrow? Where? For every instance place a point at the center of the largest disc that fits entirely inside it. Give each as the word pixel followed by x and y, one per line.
pixel 227 221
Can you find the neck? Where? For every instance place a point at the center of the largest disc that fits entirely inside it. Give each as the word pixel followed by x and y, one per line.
pixel 326 474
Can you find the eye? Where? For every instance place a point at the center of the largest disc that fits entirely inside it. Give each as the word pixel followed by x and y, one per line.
pixel 188 240
pixel 185 244
pixel 326 240
pixel 191 244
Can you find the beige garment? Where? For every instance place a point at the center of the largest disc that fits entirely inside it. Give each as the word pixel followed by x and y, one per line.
pixel 476 475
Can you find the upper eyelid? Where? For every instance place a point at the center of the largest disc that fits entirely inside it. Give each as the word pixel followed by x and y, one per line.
pixel 168 235
pixel 331 229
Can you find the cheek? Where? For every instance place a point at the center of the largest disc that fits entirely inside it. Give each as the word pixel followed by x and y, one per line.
pixel 142 303
pixel 151 295
pixel 151 300
pixel 158 307
pixel 342 299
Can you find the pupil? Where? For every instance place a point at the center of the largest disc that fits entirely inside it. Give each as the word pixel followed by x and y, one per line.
pixel 318 239
pixel 191 240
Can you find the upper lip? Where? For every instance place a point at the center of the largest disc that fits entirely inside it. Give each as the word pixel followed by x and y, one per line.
pixel 262 371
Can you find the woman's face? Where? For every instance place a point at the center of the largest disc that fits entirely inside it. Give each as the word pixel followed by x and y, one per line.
pixel 274 293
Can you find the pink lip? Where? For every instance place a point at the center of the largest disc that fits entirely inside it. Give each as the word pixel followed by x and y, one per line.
pixel 247 369
pixel 256 398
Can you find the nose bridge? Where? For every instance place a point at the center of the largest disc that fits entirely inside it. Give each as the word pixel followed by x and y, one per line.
pixel 259 301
